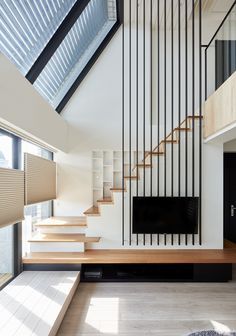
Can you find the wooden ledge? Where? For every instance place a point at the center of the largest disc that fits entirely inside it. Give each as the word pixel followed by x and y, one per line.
pixel 140 256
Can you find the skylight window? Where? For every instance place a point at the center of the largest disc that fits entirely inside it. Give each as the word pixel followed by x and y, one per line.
pixel 54 43
pixel 26 26
pixel 76 50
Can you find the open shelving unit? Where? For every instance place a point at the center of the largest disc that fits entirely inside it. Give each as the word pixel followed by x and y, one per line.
pixel 107 171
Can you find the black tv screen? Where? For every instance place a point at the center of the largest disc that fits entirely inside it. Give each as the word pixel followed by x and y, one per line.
pixel 165 215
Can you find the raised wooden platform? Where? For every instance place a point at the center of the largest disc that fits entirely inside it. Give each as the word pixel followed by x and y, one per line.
pixel 35 302
pixel 227 255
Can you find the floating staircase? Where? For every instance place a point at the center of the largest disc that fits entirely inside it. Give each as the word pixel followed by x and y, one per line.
pixel 75 234
pixel 57 234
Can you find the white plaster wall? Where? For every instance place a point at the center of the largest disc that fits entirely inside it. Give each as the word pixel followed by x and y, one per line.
pixel 230 146
pixel 25 111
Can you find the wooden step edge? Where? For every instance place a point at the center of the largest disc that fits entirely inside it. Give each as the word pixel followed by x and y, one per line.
pixel 62 238
pixel 62 221
pixel 93 211
pixel 105 201
pixel 144 165
pixel 131 177
pixel 118 189
pixel 169 141
pixel 195 117
pixel 183 129
pixel 57 225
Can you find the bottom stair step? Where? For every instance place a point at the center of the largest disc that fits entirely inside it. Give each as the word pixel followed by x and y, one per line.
pixel 66 238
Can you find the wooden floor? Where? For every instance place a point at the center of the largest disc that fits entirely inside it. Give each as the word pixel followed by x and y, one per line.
pixel 34 303
pixel 148 309
pixel 227 255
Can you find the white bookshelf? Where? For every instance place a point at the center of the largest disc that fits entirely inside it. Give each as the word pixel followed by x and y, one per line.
pixel 107 171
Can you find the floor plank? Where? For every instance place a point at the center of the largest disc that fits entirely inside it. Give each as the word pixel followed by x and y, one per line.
pixel 161 309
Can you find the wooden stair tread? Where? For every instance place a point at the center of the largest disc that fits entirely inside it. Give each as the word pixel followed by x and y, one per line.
pixel 62 237
pixel 131 177
pixel 156 153
pixel 61 221
pixel 185 129
pixel 142 165
pixel 169 141
pixel 105 200
pixel 93 211
pixel 117 189
pixel 195 117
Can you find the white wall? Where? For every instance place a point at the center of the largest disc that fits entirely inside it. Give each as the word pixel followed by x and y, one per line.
pixel 24 110
pixel 94 114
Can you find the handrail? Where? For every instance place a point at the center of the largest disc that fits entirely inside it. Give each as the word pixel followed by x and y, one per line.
pixel 218 29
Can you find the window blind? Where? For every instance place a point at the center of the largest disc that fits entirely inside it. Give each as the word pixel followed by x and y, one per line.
pixel 11 196
pixel 40 179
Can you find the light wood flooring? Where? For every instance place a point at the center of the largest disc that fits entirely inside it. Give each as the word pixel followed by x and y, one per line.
pixel 148 309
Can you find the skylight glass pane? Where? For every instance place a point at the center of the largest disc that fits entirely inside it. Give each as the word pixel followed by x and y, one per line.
pixel 76 50
pixel 26 26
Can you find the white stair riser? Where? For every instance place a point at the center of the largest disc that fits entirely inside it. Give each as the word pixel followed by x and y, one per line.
pixel 57 247
pixel 57 229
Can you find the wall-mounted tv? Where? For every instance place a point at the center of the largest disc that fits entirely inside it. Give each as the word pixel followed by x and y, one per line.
pixel 174 215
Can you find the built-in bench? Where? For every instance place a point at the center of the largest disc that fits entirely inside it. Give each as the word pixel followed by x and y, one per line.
pixel 35 302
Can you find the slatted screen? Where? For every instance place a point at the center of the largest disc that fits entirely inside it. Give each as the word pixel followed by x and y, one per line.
pixel 40 179
pixel 11 196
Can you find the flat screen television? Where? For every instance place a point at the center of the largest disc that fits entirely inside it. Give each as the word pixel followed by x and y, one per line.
pixel 174 215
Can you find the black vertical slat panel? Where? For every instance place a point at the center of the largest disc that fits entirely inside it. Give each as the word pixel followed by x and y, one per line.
pixel 179 102
pixel 137 92
pixel 172 103
pixel 151 104
pixel 193 105
pixel 165 112
pixel 206 69
pixel 123 134
pixel 200 122
pixel 158 103
pixel 144 99
pixel 186 104
pixel 130 125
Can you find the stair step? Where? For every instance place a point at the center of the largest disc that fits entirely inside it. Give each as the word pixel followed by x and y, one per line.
pixel 170 141
pixel 142 165
pixel 157 153
pixel 106 200
pixel 184 129
pixel 131 177
pixel 66 238
pixel 93 211
pixel 63 222
pixel 117 189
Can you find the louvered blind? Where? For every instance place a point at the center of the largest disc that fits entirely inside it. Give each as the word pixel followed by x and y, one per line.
pixel 26 26
pixel 11 196
pixel 76 50
pixel 40 179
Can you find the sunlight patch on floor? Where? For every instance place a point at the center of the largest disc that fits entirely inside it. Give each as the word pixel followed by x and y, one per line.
pixel 104 320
